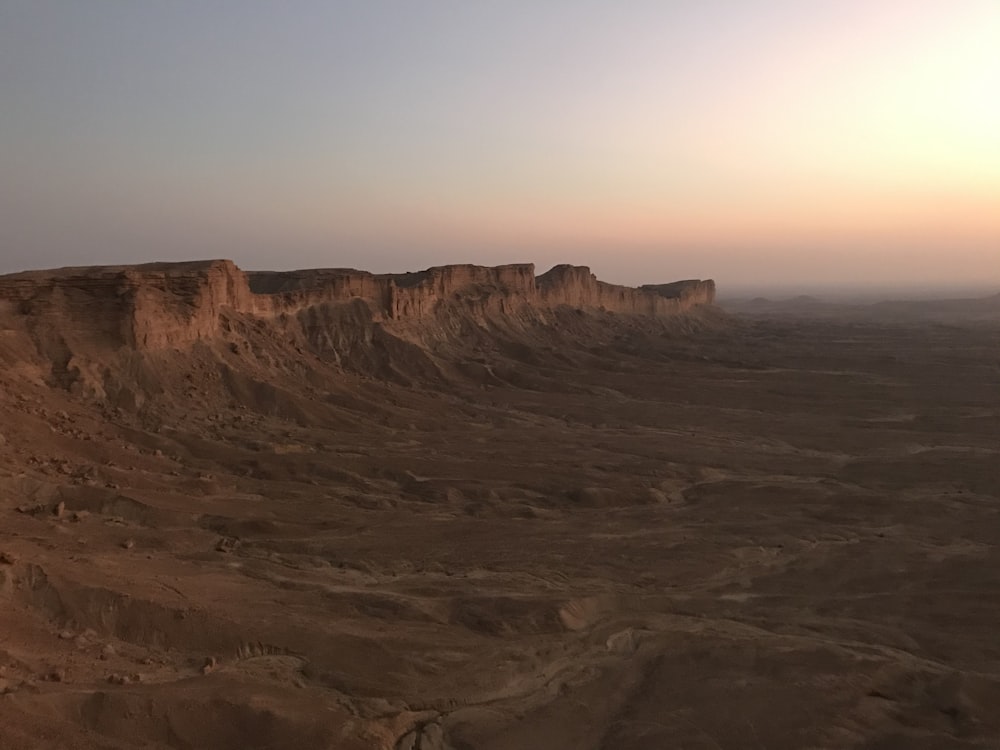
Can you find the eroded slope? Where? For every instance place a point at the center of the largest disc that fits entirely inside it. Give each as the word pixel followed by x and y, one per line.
pixel 499 527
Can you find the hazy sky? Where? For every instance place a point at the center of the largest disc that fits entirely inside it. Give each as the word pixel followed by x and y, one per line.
pixel 747 140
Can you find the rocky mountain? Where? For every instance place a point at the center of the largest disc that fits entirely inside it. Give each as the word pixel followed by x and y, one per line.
pixel 103 331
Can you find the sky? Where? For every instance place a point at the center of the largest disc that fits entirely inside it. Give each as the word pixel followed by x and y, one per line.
pixel 787 142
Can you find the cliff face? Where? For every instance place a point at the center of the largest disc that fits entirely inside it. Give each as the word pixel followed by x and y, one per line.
pixel 417 295
pixel 576 286
pixel 501 289
pixel 170 305
pixel 154 306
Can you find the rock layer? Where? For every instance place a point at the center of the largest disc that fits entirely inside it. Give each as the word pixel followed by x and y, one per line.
pixel 168 305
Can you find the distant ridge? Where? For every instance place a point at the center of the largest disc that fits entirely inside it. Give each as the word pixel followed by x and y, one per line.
pixel 84 325
pixel 158 305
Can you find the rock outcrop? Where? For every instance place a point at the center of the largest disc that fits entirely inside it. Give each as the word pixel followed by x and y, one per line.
pixel 167 305
pixel 576 286
pixel 80 319
pixel 152 306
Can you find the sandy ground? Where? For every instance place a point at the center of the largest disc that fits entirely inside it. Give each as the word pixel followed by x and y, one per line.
pixel 767 532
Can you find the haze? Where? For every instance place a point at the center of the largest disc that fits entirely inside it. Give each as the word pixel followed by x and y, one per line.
pixel 754 142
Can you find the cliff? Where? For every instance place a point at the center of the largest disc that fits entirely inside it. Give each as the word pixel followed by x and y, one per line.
pixel 77 319
pixel 165 305
pixel 418 295
pixel 576 286
pixel 153 306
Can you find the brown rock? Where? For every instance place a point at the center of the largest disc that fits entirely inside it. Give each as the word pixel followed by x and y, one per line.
pixel 171 305
pixel 624 642
pixel 227 544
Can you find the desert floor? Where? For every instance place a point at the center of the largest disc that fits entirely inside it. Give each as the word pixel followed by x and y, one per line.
pixel 768 531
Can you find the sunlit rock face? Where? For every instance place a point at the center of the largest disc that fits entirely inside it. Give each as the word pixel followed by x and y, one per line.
pixel 90 327
pixel 165 305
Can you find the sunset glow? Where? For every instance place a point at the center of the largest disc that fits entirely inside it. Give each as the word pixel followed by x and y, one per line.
pixel 785 141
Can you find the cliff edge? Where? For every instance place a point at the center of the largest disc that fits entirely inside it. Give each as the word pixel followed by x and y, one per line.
pixel 82 322
pixel 166 305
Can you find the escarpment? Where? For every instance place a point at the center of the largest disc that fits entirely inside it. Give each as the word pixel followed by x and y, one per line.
pixel 576 286
pixel 152 306
pixel 79 319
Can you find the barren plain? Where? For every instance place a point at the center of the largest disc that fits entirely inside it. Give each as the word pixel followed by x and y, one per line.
pixel 475 510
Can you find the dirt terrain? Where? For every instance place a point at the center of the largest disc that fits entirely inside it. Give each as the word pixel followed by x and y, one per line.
pixel 476 509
